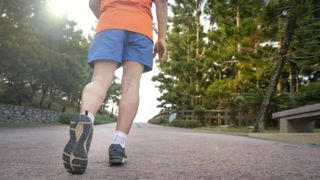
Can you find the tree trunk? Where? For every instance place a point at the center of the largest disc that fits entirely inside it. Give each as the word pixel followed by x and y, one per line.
pixel 49 98
pixel 63 109
pixel 265 106
pixel 44 91
pixel 238 75
pixel 79 103
pixel 33 89
pixel 279 84
pixel 198 14
pixel 293 78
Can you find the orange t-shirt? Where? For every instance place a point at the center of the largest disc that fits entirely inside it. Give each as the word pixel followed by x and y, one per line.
pixel 130 15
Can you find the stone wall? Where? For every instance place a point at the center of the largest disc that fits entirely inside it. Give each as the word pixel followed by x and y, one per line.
pixel 23 114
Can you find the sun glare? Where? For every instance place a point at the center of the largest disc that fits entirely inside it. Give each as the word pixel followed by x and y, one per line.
pixel 76 10
pixel 58 7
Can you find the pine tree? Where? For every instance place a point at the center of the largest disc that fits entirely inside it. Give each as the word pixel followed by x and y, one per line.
pixel 40 52
pixel 299 14
pixel 182 82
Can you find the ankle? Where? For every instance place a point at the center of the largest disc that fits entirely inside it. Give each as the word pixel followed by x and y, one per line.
pixel 89 115
pixel 120 138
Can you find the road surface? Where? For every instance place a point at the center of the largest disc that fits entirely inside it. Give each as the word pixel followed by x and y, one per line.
pixel 156 152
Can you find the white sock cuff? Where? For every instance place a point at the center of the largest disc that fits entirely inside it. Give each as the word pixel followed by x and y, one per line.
pixel 121 134
pixel 120 138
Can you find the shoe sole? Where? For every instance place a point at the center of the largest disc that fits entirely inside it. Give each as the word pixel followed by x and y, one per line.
pixel 75 155
pixel 117 160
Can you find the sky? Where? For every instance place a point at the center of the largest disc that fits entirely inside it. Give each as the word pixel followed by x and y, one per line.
pixel 78 10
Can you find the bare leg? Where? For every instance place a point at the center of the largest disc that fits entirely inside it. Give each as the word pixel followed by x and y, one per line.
pixel 94 92
pixel 75 152
pixel 130 95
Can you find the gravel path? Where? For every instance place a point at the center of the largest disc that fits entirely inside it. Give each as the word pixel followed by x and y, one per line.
pixel 156 152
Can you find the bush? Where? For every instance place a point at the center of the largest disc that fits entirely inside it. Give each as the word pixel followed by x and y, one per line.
pixel 185 123
pixel 308 95
pixel 99 119
pixel 65 118
pixel 158 120
pixel 200 113
pixel 104 119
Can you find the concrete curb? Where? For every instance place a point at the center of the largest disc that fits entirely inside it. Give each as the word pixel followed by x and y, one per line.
pixel 303 138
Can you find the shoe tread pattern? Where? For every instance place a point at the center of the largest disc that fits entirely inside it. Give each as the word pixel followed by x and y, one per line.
pixel 75 153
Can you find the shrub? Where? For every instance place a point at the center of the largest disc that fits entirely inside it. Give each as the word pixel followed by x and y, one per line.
pixel 158 120
pixel 65 118
pixel 99 118
pixel 200 113
pixel 104 119
pixel 308 95
pixel 185 123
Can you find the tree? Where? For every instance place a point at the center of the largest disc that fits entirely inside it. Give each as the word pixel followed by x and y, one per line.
pixel 40 53
pixel 184 74
pixel 296 12
pixel 113 95
pixel 235 56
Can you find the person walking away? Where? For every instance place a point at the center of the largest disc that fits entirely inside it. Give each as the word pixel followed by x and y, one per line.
pixel 124 37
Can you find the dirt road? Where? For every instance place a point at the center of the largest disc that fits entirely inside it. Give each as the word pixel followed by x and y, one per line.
pixel 156 152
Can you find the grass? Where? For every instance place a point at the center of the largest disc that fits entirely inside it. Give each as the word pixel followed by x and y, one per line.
pixel 241 129
pixel 225 129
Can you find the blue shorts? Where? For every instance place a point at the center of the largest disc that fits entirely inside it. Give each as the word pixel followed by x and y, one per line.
pixel 120 46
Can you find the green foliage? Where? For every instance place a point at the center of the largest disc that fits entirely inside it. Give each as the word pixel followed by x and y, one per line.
pixel 158 120
pixel 40 54
pixel 99 119
pixel 65 118
pixel 183 81
pixel 113 95
pixel 104 119
pixel 224 61
pixel 43 57
pixel 239 129
pixel 243 130
pixel 200 113
pixel 309 94
pixel 229 64
pixel 185 123
pixel 281 101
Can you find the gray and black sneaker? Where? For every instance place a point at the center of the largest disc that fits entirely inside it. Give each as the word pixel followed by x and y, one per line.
pixel 75 153
pixel 117 154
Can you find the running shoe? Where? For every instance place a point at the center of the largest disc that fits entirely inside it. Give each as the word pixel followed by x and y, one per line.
pixel 75 153
pixel 117 154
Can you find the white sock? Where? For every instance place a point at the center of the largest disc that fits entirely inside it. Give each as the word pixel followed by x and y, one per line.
pixel 90 115
pixel 120 138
